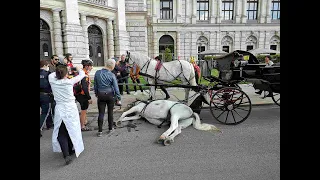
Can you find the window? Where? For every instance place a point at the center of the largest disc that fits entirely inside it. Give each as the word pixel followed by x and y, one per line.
pixel 201 49
pixel 249 47
pixel 275 9
pixel 273 47
pixel 225 49
pixel 252 10
pixel 203 10
pixel 166 11
pixel 227 10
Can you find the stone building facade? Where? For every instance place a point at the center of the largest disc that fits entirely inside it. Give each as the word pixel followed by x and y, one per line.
pixel 101 29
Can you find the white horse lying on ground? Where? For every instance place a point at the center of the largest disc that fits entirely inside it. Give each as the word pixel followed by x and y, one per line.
pixel 168 72
pixel 179 116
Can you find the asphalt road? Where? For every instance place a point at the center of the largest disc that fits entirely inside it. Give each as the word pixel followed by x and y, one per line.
pixel 247 151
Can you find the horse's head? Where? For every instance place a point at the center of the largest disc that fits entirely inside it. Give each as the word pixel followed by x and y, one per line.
pixel 136 57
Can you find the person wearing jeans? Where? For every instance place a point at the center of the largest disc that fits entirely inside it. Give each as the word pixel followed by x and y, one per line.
pixel 45 93
pixel 107 91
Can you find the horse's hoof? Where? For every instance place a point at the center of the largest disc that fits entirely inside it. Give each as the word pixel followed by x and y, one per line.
pixel 167 142
pixel 160 141
pixel 118 124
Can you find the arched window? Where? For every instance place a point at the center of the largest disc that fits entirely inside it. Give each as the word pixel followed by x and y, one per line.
pixel 202 44
pixel 44 26
pixel 94 30
pixel 251 43
pixel 275 43
pixel 227 44
pixel 166 48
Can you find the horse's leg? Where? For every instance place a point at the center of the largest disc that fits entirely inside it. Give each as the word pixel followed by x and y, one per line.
pixel 181 125
pixel 174 124
pixel 152 90
pixel 137 108
pixel 131 118
pixel 170 138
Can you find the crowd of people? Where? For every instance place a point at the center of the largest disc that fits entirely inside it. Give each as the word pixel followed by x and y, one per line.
pixel 63 85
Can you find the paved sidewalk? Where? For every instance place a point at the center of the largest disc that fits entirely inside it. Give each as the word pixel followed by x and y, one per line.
pixel 176 95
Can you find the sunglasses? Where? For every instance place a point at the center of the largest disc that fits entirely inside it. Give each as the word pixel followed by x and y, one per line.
pixel 56 59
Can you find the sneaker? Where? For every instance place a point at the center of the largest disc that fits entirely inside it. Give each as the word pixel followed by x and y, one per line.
pixel 99 134
pixel 68 160
pixel 136 93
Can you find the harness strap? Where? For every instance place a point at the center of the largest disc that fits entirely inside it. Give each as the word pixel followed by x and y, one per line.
pixel 166 119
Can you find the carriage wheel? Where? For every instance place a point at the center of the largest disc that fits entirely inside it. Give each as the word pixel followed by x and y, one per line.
pixel 276 98
pixel 230 106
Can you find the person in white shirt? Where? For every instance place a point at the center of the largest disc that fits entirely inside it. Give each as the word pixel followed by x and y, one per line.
pixel 268 64
pixel 66 134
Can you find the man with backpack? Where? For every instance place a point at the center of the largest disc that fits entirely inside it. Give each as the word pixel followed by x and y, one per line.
pixel 81 92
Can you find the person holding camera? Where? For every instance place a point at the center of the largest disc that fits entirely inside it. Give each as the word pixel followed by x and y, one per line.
pixel 66 134
pixel 124 72
pixel 107 91
pixel 45 93
pixel 82 93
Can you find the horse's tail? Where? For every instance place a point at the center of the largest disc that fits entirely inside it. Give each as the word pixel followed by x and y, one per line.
pixel 203 126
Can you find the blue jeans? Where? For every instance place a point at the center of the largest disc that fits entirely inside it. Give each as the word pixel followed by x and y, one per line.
pixel 45 108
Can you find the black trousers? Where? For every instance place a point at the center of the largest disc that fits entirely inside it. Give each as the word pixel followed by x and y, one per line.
pixel 103 101
pixel 136 81
pixel 123 80
pixel 64 140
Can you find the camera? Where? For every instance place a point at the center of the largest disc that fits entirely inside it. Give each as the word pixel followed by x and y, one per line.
pixel 73 69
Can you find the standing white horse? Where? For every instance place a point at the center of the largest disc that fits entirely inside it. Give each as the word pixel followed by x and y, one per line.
pixel 167 73
pixel 179 116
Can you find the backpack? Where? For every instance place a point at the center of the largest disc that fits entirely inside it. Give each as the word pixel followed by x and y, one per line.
pixel 77 88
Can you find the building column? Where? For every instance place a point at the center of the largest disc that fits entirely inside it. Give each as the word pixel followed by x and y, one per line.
pixel 110 38
pixel 194 12
pixel 178 46
pixel 213 10
pixel 218 8
pixel 58 46
pixel 154 11
pixel 155 45
pixel 178 18
pixel 268 14
pixel 194 49
pixel 122 35
pixel 73 32
pixel 238 8
pixel 188 12
pixel 262 14
pixel 244 11
pixel 83 19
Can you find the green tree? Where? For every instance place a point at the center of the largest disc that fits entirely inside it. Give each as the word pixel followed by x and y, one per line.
pixel 167 55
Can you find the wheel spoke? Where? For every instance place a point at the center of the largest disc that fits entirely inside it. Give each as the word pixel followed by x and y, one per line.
pixel 234 119
pixel 278 100
pixel 226 118
pixel 221 114
pixel 238 114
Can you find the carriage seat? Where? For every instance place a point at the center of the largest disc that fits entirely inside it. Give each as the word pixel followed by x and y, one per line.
pixel 158 66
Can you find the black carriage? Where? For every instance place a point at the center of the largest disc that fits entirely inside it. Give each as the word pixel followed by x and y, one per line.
pixel 229 104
